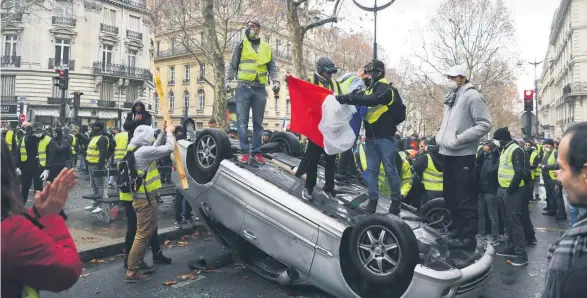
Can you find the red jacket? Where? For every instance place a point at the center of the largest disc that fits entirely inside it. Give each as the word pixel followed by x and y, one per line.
pixel 44 259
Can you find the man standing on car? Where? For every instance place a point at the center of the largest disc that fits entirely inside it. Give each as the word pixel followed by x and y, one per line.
pixel 251 62
pixel 137 116
pixel 466 120
pixel 385 110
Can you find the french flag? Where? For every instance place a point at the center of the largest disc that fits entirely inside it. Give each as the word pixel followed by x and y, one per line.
pixel 316 114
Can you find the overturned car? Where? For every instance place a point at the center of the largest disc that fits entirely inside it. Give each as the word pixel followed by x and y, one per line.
pixel 258 212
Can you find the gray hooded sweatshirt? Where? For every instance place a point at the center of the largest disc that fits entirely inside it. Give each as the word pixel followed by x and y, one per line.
pixel 468 120
pixel 150 151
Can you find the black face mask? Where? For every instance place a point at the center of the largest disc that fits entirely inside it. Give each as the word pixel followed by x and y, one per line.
pixel 503 143
pixel 367 81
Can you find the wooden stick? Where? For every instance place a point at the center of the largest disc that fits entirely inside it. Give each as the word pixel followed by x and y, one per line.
pixel 163 105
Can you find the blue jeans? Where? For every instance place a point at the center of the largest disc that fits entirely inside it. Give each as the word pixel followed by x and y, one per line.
pixel 247 99
pixel 381 150
pixel 82 162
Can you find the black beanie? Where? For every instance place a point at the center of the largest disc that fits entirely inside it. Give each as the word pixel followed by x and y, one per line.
pixel 549 142
pixel 502 134
pixel 98 125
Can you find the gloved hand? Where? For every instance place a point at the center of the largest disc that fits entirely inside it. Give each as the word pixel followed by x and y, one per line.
pixel 344 99
pixel 45 175
pixel 18 173
pixel 276 86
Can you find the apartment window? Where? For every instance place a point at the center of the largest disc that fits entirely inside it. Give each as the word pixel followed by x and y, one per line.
pixel 8 85
pixel 202 71
pixel 276 103
pixel 186 75
pixel 132 58
pixel 134 23
pixel 10 42
pixel 109 17
pixel 287 111
pixel 62 51
pixel 156 99
pixel 201 99
pixel 171 102
pixel 106 54
pixel 64 9
pixel 172 74
pixel 107 91
pixel 186 99
pixel 132 93
pixel 158 47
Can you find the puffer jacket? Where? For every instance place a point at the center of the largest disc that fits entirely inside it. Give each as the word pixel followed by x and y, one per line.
pixel 488 173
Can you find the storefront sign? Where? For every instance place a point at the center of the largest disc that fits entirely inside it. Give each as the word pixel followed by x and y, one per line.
pixel 9 109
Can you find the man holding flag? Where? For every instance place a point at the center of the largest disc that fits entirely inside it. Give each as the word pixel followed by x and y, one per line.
pixel 385 111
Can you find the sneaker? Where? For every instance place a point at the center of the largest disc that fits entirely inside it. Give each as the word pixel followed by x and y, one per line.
pixel 137 277
pixel 505 252
pixel 532 241
pixel 90 208
pixel 259 158
pixel 307 194
pixel 518 261
pixel 144 268
pixel 177 225
pixel 159 258
pixel 371 207
pixel 97 210
pixel 244 158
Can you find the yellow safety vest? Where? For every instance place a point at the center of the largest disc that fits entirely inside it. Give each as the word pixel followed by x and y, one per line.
pixel 121 140
pixel 405 174
pixel 506 172
pixel 551 162
pixel 9 136
pixel 73 143
pixel 151 183
pixel 373 113
pixel 254 64
pixel 41 151
pixel 335 86
pixel 533 156
pixel 93 153
pixel 432 178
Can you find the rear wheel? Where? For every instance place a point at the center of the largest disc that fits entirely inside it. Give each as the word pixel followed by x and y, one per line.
pixel 436 214
pixel 288 143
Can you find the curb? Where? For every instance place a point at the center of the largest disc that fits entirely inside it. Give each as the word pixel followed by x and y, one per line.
pixel 170 233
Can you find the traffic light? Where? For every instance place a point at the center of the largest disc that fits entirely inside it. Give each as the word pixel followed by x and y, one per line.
pixel 62 79
pixel 528 100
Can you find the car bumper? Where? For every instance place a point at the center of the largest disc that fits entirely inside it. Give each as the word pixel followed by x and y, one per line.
pixel 467 282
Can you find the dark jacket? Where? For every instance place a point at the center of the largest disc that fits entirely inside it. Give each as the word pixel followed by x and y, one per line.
pixel 82 141
pixel 44 259
pixel 382 93
pixel 487 165
pixel 60 151
pixel 130 124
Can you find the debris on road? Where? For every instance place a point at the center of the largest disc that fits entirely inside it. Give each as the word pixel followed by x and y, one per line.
pixel 84 275
pixel 169 283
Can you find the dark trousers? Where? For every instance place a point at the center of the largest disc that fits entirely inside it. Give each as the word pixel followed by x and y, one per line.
pixel 30 173
pixel 513 221
pixel 346 164
pixel 460 193
pixel 488 212
pixel 74 161
pixel 309 166
pixel 131 231
pixel 183 210
pixel 554 197
pixel 526 221
pixel 54 171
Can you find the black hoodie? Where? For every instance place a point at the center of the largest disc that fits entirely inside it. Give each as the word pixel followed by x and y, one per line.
pixel 130 124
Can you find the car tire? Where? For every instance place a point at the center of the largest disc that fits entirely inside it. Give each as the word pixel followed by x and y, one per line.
pixel 211 147
pixel 434 211
pixel 399 245
pixel 288 141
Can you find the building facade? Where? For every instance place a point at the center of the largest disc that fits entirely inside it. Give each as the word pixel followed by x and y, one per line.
pixel 106 45
pixel 562 91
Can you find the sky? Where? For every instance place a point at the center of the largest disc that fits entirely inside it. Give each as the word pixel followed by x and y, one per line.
pixel 397 23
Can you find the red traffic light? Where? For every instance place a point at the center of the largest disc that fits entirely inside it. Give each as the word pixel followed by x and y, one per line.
pixel 528 94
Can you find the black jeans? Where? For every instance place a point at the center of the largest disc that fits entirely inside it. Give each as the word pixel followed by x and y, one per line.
pixel 513 220
pixel 460 193
pixel 131 231
pixel 488 212
pixel 526 221
pixel 182 208
pixel 310 167
pixel 30 173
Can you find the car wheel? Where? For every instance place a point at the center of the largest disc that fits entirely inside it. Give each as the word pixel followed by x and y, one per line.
pixel 384 250
pixel 288 143
pixel 211 147
pixel 437 214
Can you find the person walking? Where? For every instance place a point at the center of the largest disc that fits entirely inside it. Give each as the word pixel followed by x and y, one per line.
pixel 97 155
pixel 510 176
pixel 466 120
pixel 74 146
pixel 144 201
pixel 60 154
pixel 487 165
pixel 566 269
pixel 83 138
pixel 32 164
pixel 252 62
pixel 137 116
pixel 555 202
pixel 385 110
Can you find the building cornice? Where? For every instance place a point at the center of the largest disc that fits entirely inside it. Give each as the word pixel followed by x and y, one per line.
pixel 558 20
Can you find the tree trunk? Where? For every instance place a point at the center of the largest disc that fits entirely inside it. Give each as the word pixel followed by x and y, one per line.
pixel 296 33
pixel 219 111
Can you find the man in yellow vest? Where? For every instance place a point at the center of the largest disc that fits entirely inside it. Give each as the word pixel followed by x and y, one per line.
pixel 252 62
pixel 384 108
pixel 10 137
pixel 96 158
pixel 554 197
pixel 538 171
pixel 510 177
pixel 144 201
pixel 429 165
pixel 34 154
pixel 120 144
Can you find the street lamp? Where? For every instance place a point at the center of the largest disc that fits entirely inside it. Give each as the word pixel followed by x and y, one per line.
pixel 375 9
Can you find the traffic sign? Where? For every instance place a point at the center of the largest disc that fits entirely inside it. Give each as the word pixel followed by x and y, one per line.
pixel 22 118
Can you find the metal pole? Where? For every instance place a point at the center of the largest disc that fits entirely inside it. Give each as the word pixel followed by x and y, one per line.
pixel 375 34
pixel 62 109
pixel 535 64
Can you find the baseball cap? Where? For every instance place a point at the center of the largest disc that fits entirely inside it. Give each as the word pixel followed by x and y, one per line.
pixel 457 70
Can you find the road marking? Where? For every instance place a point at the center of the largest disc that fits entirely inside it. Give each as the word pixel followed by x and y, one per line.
pixel 187 282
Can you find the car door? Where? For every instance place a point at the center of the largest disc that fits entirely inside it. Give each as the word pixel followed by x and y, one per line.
pixel 223 204
pixel 281 233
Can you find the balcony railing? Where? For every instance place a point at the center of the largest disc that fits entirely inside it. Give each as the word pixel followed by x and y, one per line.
pixel 64 21
pixel 106 103
pixel 171 82
pixel 574 88
pixel 9 99
pixel 137 3
pixel 11 17
pixel 172 52
pixel 61 64
pixel 134 35
pixel 10 61
pixel 127 105
pixel 108 29
pixel 118 70
pixel 57 100
pixel 186 81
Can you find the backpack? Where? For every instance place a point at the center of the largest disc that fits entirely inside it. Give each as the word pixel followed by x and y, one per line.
pixel 397 109
pixel 128 179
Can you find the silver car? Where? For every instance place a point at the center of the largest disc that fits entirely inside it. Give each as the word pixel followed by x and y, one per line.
pixel 333 244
